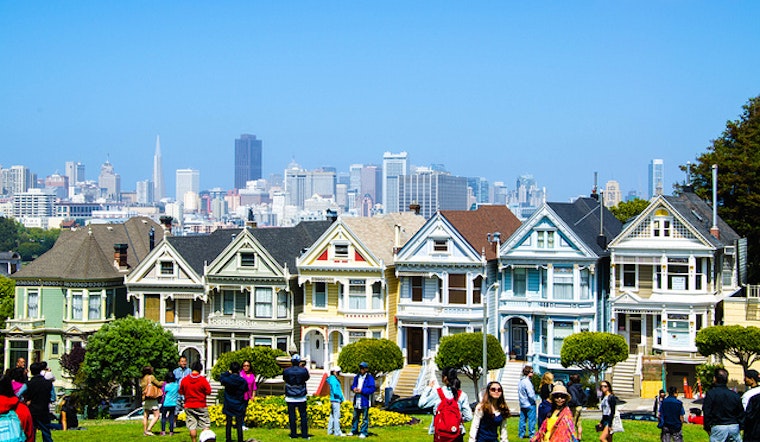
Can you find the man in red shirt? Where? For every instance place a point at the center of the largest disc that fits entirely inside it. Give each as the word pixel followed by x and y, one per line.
pixel 195 388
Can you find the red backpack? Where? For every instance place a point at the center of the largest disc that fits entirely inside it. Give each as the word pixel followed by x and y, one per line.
pixel 448 419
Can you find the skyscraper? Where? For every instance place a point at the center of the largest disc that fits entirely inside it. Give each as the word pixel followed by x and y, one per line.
pixel 188 180
pixel 75 172
pixel 612 194
pixel 159 191
pixel 109 182
pixel 394 166
pixel 247 160
pixel 432 190
pixel 656 177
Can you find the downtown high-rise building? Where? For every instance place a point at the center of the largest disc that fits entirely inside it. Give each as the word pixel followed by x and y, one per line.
pixel 159 189
pixel 144 192
pixel 75 172
pixel 188 180
pixel 17 179
pixel 301 184
pixel 612 194
pixel 432 190
pixel 394 166
pixel 109 182
pixel 247 160
pixel 656 177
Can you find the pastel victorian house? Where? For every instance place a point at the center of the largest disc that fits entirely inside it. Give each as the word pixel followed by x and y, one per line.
pixel 225 291
pixel 441 272
pixel 672 267
pixel 554 273
pixel 349 282
pixel 74 288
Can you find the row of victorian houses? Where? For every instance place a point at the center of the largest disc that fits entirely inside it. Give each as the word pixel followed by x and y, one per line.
pixel 320 285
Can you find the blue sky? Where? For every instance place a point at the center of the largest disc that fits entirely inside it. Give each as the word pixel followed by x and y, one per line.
pixel 492 89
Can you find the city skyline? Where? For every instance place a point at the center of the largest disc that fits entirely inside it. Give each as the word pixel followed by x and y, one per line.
pixel 493 91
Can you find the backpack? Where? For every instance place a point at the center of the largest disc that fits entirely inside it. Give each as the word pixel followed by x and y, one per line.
pixel 10 427
pixel 448 419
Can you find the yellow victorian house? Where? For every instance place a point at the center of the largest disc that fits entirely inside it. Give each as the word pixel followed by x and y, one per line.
pixel 349 283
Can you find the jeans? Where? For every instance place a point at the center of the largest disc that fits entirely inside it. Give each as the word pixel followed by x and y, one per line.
pixel 301 406
pixel 725 433
pixel 238 426
pixel 333 425
pixel 527 414
pixel 671 435
pixel 42 423
pixel 365 421
pixel 167 414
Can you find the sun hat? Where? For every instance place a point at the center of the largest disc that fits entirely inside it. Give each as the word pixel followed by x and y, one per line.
pixel 560 390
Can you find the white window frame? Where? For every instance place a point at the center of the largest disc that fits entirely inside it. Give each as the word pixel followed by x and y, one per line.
pixel 242 262
pixel 263 291
pixel 162 272
pixel 95 299
pixel 338 250
pixel 315 294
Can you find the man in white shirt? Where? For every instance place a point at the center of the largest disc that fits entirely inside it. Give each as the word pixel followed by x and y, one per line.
pixel 751 380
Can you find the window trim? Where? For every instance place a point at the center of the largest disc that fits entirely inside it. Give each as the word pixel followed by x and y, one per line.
pixel 247 259
pixel 314 294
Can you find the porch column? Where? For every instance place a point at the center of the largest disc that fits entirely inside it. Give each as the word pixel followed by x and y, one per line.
pixel 425 340
pixel 209 352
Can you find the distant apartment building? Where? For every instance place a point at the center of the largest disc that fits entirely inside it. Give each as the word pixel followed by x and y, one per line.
pixel 36 203
pixel 480 189
pixel 656 177
pixel 58 184
pixel 75 172
pixel 612 194
pixel 394 166
pixel 109 182
pixel 188 180
pixel 17 179
pixel 526 198
pixel 301 184
pixel 432 190
pixel 78 211
pixel 247 160
pixel 500 193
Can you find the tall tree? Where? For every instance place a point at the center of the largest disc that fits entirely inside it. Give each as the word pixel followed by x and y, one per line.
pixel 626 210
pixel 9 233
pixel 593 351
pixel 464 351
pixel 7 299
pixel 734 343
pixel 737 154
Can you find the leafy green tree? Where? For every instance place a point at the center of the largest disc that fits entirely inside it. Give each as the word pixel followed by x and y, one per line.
pixel 117 353
pixel 626 210
pixel 7 299
pixel 9 234
pixel 737 154
pixel 263 362
pixel 734 343
pixel 705 375
pixel 34 241
pixel 464 351
pixel 382 356
pixel 593 351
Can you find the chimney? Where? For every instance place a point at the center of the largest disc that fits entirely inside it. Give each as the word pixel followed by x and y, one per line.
pixel 331 215
pixel 414 207
pixel 594 195
pixel 152 238
pixel 120 256
pixel 250 222
pixel 166 222
pixel 396 238
pixel 714 230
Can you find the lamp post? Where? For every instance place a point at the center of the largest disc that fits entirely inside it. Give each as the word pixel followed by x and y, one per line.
pixel 495 285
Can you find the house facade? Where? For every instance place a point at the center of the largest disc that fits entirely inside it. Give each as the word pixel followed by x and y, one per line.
pixel 671 269
pixel 69 292
pixel 553 280
pixel 349 283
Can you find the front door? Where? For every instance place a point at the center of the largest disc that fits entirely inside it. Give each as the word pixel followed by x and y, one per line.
pixel 414 345
pixel 519 334
pixel 317 350
pixel 635 336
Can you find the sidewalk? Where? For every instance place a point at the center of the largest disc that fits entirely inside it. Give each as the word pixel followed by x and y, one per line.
pixel 631 404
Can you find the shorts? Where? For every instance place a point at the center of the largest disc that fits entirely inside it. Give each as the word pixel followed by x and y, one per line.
pixel 150 404
pixel 197 418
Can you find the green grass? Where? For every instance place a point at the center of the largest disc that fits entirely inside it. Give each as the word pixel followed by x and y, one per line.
pixel 107 430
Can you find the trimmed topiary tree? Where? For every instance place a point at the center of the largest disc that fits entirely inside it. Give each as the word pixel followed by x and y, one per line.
pixel 734 343
pixel 464 351
pixel 382 355
pixel 593 351
pixel 263 362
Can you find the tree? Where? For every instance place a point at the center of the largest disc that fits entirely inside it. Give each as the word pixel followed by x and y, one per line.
pixel 464 351
pixel 734 343
pixel 593 351
pixel 626 210
pixel 9 233
pixel 737 154
pixel 382 356
pixel 7 299
pixel 34 241
pixel 72 361
pixel 117 353
pixel 263 362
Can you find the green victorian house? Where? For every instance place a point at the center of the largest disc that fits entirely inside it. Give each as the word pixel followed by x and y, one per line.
pixel 70 291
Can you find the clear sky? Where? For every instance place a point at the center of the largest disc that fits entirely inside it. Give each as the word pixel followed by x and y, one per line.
pixel 492 89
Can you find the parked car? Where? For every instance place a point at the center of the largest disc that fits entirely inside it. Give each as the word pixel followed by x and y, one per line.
pixel 409 406
pixel 638 415
pixel 134 415
pixel 121 405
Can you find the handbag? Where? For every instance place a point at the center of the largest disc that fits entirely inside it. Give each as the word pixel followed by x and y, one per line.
pixel 152 392
pixel 617 423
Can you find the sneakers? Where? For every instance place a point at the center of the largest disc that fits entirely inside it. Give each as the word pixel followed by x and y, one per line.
pixel 362 436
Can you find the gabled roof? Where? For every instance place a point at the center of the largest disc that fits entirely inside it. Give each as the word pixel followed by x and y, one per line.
pixel 582 216
pixel 698 213
pixel 378 233
pixel 475 225
pixel 201 249
pixel 87 253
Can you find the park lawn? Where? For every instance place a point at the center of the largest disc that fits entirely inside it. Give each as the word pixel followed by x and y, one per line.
pixel 112 431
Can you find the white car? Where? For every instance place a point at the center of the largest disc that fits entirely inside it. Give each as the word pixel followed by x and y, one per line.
pixel 134 415
pixel 121 405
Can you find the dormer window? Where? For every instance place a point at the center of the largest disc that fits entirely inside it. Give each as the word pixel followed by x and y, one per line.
pixel 662 223
pixel 247 259
pixel 167 268
pixel 440 245
pixel 341 251
pixel 545 239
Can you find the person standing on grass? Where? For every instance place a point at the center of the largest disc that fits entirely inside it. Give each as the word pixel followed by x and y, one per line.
pixel 723 410
pixel 235 388
pixel 195 388
pixel 38 397
pixel 607 406
pixel 363 388
pixel 752 381
pixel 295 378
pixel 558 424
pixel 150 404
pixel 489 422
pixel 434 396
pixel 544 391
pixel 336 398
pixel 169 405
pixel 526 394
pixel 671 417
pixel 578 399
pixel 9 401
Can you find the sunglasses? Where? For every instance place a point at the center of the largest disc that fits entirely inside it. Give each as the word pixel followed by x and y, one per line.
pixel 496 389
